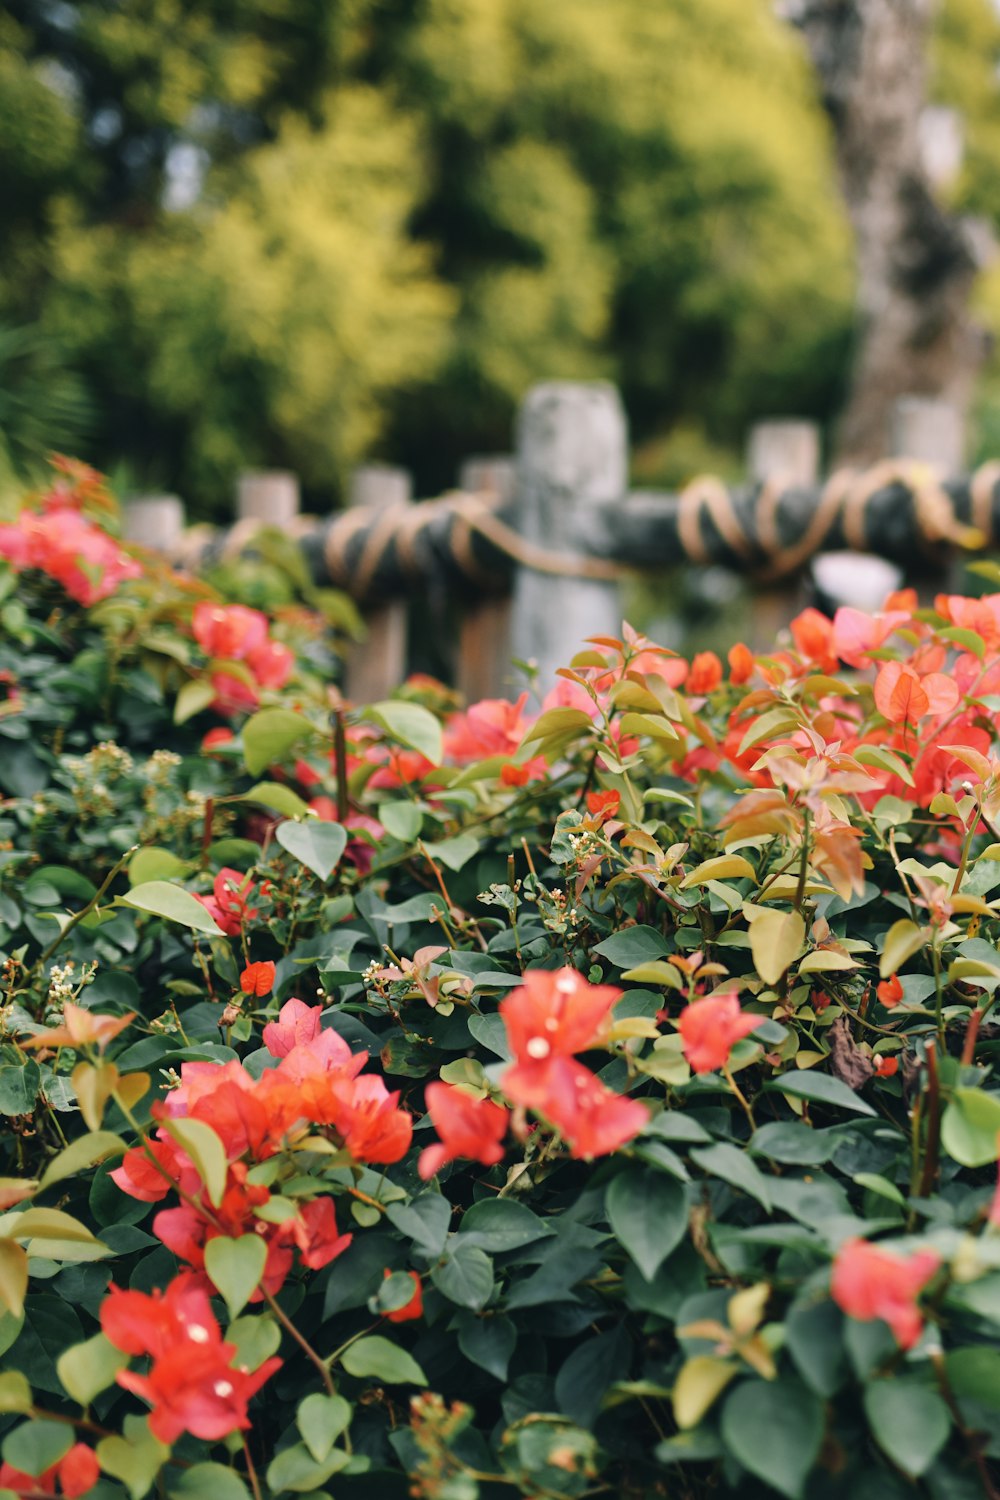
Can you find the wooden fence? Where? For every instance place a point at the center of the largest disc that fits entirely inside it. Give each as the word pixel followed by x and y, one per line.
pixel 531 551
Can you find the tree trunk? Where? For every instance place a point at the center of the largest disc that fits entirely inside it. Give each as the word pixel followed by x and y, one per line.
pixel 915 262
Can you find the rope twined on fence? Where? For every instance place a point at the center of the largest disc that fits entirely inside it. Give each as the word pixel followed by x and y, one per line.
pixel 897 509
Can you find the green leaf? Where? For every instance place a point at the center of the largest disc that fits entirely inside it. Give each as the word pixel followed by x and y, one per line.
pixel 726 1161
pixel 776 939
pixel 425 1221
pixel 487 1342
pixel 208 1481
pixel 970 1127
pixel 163 899
pixel 234 1267
pixel 649 1215
pixel 455 853
pixel 411 725
pixel 135 1458
pixel 193 698
pixel 498 1224
pixel 19 1087
pixel 321 1419
pixel 15 1393
pixel 317 845
pixel 819 1088
pixel 885 760
pixel 903 939
pixel 277 798
pixel 295 1468
pixel 466 1277
pixel 36 1445
pixel 402 820
pixel 974 1374
pixel 147 865
pixel 208 1155
pixel 256 1337
pixel 774 1429
pixel 813 1337
pixel 632 947
pixel 270 734
pixel 909 1422
pixel 87 1369
pixel 86 1151
pixel 379 1357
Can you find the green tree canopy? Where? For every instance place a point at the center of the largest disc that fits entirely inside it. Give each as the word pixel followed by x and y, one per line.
pixel 300 231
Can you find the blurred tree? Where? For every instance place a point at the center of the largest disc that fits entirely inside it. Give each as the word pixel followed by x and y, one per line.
pixel 293 231
pixel 917 259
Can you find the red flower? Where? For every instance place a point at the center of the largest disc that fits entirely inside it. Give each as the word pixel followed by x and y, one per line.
pixel 412 1309
pixel 76 1473
pixel 216 737
pixel 886 1067
pixel 271 664
pixel 467 1126
pixel 741 664
pixel 812 633
pixel 88 563
pixel 229 903
pixel 297 1024
pixel 901 695
pixel 229 632
pixel 704 675
pixel 141 1324
pixel 365 1114
pixel 315 1233
pixel 603 805
pixel 710 1029
pixel 890 991
pixel 869 1282
pixel 556 1013
pixel 258 978
pixel 233 695
pixel 196 1390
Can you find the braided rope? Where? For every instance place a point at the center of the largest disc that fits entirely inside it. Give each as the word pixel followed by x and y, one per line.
pixel 705 523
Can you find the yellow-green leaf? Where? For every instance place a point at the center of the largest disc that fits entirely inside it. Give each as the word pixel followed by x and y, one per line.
pixel 701 1381
pixel 903 939
pixel 776 940
pixel 86 1151
pixel 723 867
pixel 13 1277
pixel 208 1155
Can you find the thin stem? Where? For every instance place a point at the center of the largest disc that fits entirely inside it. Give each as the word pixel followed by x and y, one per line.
pixel 251 1471
pixel 94 900
pixel 933 1122
pixel 741 1097
pixel 303 1343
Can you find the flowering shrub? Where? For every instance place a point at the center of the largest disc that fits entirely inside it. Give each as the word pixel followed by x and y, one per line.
pixel 579 1097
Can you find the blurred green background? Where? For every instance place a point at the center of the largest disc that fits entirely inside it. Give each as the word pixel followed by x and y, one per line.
pixel 300 233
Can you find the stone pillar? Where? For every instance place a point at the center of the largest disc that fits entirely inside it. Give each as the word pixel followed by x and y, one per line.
pixel 155 521
pixel 484 646
pixel 377 665
pixel 572 466
pixel 786 450
pixel 271 497
pixel 930 431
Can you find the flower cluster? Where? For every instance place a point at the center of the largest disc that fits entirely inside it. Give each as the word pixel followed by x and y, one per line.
pixel 242 654
pixel 548 1019
pixel 191 1384
pixel 317 1085
pixel 63 544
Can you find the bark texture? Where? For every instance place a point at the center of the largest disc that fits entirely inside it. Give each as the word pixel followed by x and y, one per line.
pixel 916 264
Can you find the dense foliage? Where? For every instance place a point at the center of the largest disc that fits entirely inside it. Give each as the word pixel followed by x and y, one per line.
pixel 593 1099
pixel 286 233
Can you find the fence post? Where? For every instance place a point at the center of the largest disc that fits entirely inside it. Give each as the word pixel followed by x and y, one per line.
pixel 782 452
pixel 155 521
pixel 377 665
pixel 271 497
pixel 572 465
pixel 484 647
pixel 930 431
pixel 786 450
